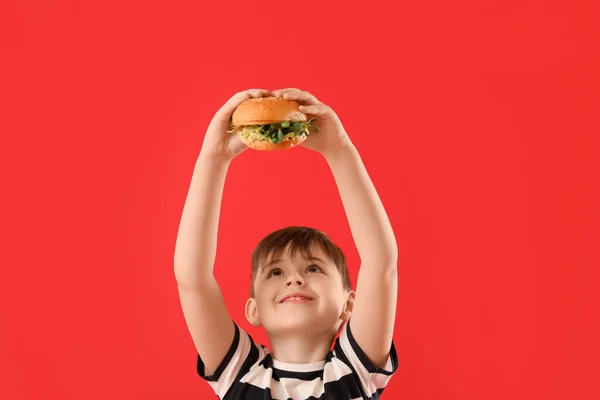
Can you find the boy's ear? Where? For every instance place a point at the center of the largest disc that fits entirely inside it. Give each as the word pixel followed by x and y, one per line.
pixel 252 312
pixel 348 306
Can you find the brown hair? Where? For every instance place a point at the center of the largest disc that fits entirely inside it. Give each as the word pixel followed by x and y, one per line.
pixel 301 239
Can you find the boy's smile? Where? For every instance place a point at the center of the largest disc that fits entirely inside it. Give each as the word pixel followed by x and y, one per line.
pixel 296 298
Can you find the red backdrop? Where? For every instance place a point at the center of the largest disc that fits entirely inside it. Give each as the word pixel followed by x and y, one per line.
pixel 477 121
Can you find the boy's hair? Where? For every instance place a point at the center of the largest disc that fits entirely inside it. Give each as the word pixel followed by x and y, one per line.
pixel 301 239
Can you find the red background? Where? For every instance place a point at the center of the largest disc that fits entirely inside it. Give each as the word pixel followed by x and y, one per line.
pixel 477 121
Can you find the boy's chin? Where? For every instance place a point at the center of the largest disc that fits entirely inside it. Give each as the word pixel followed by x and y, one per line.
pixel 300 325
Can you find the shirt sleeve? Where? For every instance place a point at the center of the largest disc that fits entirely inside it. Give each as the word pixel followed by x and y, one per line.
pixel 242 354
pixel 372 379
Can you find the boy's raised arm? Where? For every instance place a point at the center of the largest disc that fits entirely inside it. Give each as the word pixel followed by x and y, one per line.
pixel 204 309
pixel 374 312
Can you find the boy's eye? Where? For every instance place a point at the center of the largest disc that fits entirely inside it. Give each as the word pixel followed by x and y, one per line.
pixel 314 268
pixel 274 272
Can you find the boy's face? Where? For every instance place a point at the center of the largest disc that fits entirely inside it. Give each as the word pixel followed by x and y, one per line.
pixel 317 278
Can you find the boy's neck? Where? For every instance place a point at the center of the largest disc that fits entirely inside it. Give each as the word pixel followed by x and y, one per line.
pixel 301 349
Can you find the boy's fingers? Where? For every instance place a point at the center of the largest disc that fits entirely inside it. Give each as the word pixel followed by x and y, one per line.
pixel 298 95
pixel 283 92
pixel 240 97
pixel 246 94
pixel 256 92
pixel 311 105
pixel 278 92
pixel 315 109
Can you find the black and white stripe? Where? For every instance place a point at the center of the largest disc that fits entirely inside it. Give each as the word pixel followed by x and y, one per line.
pixel 248 372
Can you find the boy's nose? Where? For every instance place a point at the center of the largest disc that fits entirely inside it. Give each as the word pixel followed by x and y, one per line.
pixel 297 280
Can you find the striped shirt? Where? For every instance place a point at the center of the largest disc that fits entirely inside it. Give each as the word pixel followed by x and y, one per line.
pixel 248 372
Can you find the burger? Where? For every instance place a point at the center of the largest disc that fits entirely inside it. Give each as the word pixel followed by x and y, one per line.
pixel 270 123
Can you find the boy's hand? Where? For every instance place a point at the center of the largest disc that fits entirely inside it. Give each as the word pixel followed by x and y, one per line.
pixel 332 136
pixel 219 143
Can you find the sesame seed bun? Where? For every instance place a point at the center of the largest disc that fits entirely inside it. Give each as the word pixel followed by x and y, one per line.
pixel 267 110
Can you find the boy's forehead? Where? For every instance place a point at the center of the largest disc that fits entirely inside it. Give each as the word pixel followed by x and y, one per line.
pixel 314 253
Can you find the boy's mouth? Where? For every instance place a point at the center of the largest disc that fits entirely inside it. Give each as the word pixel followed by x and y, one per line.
pixel 295 298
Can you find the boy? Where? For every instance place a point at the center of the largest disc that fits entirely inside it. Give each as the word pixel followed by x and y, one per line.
pixel 300 292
